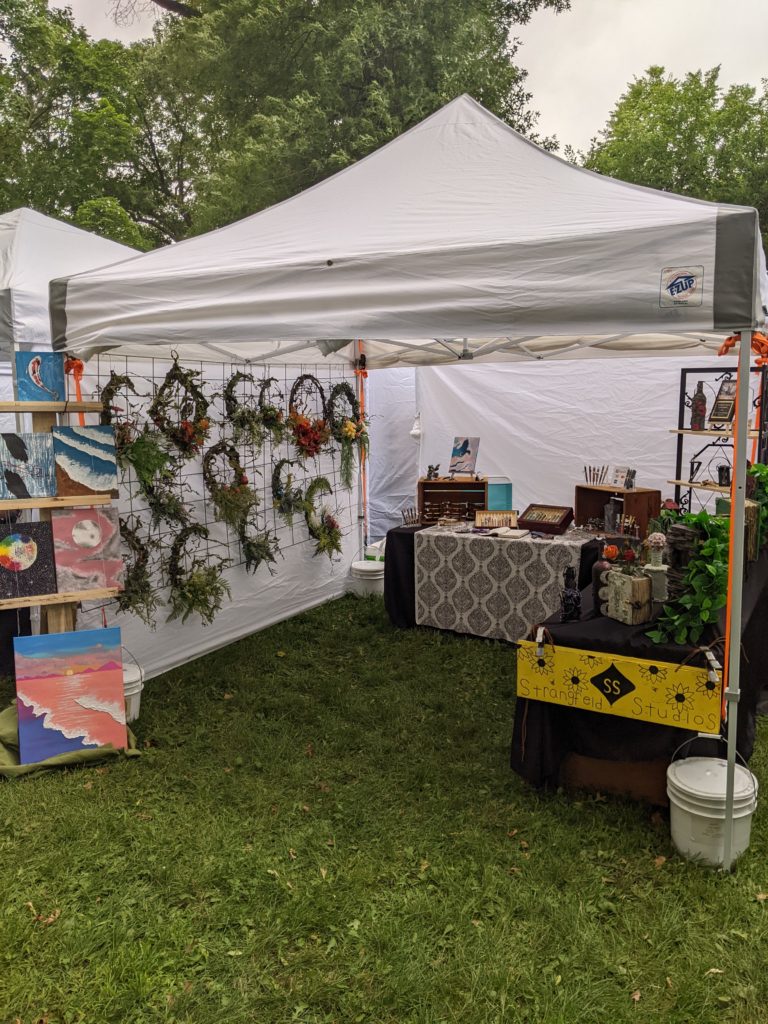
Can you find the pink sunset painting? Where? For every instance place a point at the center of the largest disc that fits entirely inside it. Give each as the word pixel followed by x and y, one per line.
pixel 69 690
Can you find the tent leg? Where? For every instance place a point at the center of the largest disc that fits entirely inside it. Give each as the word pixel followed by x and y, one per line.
pixel 733 626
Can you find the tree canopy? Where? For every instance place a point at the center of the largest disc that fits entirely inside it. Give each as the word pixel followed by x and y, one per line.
pixel 689 135
pixel 233 106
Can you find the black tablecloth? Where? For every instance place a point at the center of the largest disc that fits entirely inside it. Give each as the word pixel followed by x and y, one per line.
pixel 399 580
pixel 544 734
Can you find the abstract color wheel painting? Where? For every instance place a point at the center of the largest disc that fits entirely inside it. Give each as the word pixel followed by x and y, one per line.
pixel 86 546
pixel 86 461
pixel 26 560
pixel 69 689
pixel 464 454
pixel 40 377
pixel 26 466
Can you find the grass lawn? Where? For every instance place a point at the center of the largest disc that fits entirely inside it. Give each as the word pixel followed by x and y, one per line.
pixel 324 828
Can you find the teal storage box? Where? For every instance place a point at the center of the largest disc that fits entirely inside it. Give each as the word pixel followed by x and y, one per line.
pixel 499 494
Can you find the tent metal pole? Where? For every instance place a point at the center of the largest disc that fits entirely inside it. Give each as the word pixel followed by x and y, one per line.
pixel 738 499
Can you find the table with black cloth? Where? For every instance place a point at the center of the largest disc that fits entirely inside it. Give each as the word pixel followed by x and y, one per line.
pixel 545 734
pixel 400 573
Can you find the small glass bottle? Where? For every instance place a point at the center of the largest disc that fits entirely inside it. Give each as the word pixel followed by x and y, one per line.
pixel 699 408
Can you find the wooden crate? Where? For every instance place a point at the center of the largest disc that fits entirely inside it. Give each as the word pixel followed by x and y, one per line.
pixel 641 502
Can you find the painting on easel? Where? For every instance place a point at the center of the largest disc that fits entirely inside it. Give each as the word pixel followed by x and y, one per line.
pixel 464 455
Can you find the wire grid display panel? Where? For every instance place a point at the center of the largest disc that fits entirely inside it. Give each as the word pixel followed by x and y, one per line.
pixel 148 375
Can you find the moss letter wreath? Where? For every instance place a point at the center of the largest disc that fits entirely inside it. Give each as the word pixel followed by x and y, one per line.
pixel 233 498
pixel 258 548
pixel 116 382
pixel 251 424
pixel 287 499
pixel 348 428
pixel 323 528
pixel 310 434
pixel 138 595
pixel 179 410
pixel 200 588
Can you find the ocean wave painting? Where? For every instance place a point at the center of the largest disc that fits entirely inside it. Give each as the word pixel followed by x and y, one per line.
pixel 86 544
pixel 69 689
pixel 86 460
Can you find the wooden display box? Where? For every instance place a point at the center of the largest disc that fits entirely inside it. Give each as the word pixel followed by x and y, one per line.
pixel 459 498
pixel 554 519
pixel 641 502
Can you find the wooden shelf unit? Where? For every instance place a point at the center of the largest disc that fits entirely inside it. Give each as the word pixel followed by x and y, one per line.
pixel 700 486
pixel 65 501
pixel 73 597
pixel 641 502
pixel 57 611
pixel 444 496
pixel 709 433
pixel 51 407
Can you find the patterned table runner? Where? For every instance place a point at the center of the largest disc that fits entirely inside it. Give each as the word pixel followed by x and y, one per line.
pixel 489 586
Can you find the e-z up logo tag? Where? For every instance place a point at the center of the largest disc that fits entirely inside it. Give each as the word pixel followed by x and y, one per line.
pixel 681 286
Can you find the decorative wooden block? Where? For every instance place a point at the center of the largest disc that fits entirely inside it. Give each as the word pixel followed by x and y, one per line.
pixel 627 598
pixel 751 523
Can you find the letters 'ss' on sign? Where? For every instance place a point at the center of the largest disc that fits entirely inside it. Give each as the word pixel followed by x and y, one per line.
pixel 685 696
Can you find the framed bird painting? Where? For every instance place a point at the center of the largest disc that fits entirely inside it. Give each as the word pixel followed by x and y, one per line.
pixel 27 467
pixel 40 377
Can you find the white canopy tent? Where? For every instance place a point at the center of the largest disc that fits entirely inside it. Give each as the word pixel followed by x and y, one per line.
pixel 458 240
pixel 460 228
pixel 34 249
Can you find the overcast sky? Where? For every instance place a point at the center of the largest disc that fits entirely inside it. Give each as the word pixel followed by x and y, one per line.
pixel 580 62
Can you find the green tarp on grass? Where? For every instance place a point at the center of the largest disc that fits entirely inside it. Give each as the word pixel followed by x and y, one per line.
pixel 9 750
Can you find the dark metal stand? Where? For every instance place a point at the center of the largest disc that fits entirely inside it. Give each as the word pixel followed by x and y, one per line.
pixel 716 446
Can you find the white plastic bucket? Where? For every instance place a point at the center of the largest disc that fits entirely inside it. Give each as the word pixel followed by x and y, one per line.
pixel 696 790
pixel 366 578
pixel 133 684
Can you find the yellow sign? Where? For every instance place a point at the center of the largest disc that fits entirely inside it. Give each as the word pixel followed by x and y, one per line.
pixel 661 692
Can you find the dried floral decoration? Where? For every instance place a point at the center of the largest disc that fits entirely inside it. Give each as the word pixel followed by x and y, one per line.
pixel 323 528
pixel 310 433
pixel 348 429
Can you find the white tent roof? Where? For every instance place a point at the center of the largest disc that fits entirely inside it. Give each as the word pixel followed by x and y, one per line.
pixel 34 249
pixel 460 228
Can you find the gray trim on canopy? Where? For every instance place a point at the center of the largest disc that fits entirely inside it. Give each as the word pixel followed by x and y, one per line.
pixel 734 299
pixel 57 292
pixel 6 319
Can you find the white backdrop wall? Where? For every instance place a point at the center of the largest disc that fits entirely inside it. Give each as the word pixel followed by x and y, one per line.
pixel 539 424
